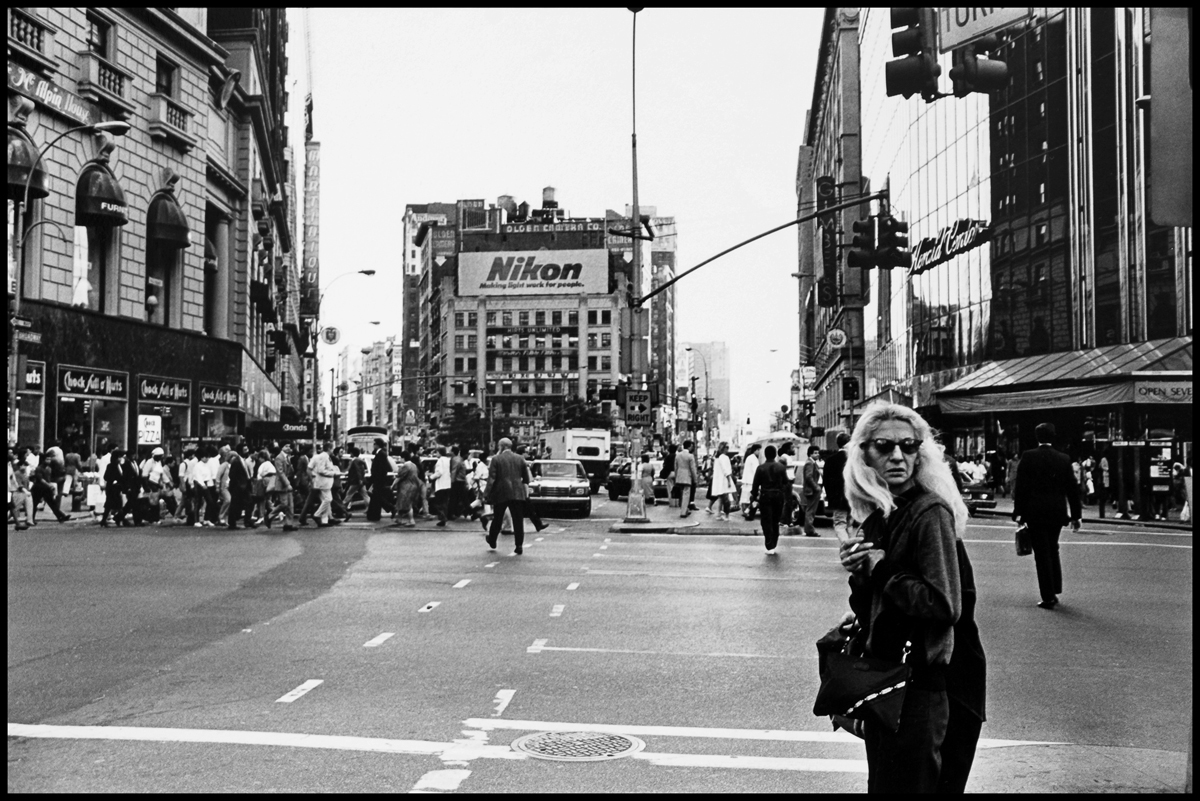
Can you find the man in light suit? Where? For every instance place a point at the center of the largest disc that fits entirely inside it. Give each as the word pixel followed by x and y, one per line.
pixel 507 474
pixel 323 471
pixel 687 474
pixel 1044 489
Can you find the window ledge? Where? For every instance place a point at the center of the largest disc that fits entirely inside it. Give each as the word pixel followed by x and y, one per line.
pixel 171 122
pixel 105 84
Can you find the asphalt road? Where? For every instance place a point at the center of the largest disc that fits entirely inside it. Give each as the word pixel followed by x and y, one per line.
pixel 159 660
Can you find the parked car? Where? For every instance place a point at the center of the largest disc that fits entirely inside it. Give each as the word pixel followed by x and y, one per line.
pixel 978 496
pixel 620 479
pixel 560 484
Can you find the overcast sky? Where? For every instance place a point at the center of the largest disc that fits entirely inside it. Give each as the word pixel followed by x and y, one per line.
pixel 423 105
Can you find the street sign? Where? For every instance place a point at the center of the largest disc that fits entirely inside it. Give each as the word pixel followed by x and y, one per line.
pixel 637 408
pixel 960 26
pixel 34 337
pixel 836 338
pixel 22 322
pixel 330 335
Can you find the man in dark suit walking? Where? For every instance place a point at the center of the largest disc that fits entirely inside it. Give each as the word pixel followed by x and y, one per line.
pixel 240 503
pixel 507 474
pixel 1044 489
pixel 381 482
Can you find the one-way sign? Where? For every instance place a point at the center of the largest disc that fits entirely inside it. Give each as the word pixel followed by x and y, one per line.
pixel 637 408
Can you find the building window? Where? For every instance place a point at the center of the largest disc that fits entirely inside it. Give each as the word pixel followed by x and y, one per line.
pixel 539 387
pixel 161 265
pixel 506 388
pixel 606 340
pixel 472 319
pixel 1041 191
pixel 539 342
pixel 572 317
pixel 556 318
pixel 606 317
pixel 458 365
pixel 605 363
pixel 98 36
pixel 539 363
pixel 522 363
pixel 507 363
pixel 164 78
pixel 472 341
pixel 459 341
pixel 539 318
pixel 523 318
pixel 523 388
pixel 591 339
pixel 491 318
pixel 95 288
pixel 1040 286
pixel 472 364
pixel 591 316
pixel 460 320
pixel 506 341
pixel 1039 74
pixel 506 318
pixel 555 387
pixel 1041 231
pixel 591 362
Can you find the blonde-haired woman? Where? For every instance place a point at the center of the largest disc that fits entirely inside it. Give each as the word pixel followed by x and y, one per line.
pixel 905 585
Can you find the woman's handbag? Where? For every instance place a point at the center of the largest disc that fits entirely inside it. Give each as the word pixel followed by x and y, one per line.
pixel 856 686
pixel 1024 540
pixel 258 489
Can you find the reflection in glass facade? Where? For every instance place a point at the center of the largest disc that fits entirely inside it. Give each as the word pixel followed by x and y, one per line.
pixel 1073 262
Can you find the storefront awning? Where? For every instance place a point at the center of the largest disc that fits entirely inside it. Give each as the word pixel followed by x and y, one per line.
pixel 1158 371
pixel 166 223
pixel 98 197
pixel 23 160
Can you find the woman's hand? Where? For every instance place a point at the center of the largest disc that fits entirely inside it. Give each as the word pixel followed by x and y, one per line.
pixel 857 555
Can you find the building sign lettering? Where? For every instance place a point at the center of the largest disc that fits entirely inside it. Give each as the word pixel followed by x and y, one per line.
pixel 35 376
pixel 539 272
pixel 951 241
pixel 557 227
pixel 1162 392
pixel 521 330
pixel 49 94
pixel 310 275
pixel 164 390
pixel 222 397
pixel 92 383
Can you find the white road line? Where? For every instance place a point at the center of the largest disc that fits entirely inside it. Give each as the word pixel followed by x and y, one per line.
pixel 432 781
pixel 608 539
pixel 539 539
pixel 440 781
pixel 299 691
pixel 380 640
pixel 540 645
pixel 813 577
pixel 1089 527
pixel 429 606
pixel 604 547
pixel 557 610
pixel 502 700
pixel 574 585
pixel 462 584
pixel 782 735
pixel 1068 543
pixel 493 564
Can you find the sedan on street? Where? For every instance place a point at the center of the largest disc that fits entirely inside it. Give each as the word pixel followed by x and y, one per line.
pixel 620 479
pixel 560 484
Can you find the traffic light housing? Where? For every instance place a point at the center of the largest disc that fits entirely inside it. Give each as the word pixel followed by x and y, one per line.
pixel 862 246
pixel 892 250
pixel 850 388
pixel 917 70
pixel 970 73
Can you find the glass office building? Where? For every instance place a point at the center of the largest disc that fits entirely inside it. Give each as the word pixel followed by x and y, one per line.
pixel 1041 289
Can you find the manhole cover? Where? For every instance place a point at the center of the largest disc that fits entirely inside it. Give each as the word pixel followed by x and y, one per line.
pixel 577 746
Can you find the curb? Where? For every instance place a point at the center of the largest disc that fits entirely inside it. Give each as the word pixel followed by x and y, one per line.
pixel 1171 524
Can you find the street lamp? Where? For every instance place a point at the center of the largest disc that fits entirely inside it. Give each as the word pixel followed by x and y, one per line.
pixel 707 398
pixel 114 127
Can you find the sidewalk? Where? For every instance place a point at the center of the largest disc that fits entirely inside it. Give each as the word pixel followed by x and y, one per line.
pixel 666 520
pixel 1091 516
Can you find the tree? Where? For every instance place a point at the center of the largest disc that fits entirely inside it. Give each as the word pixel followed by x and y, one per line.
pixel 467 425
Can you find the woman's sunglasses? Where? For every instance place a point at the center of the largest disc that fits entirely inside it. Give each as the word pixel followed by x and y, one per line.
pixel 883 447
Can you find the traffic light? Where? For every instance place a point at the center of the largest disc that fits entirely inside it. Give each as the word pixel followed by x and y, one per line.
pixel 970 73
pixel 917 70
pixel 862 246
pixel 893 244
pixel 850 388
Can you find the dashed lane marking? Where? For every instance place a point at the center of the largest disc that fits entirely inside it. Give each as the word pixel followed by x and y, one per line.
pixel 539 539
pixel 557 610
pixel 727 577
pixel 574 585
pixel 298 692
pixel 462 584
pixel 502 700
pixel 440 781
pixel 491 564
pixel 429 606
pixel 380 640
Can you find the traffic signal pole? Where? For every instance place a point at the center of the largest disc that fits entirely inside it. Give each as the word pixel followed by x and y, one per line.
pixel 849 204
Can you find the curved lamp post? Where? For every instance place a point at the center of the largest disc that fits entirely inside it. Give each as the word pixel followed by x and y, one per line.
pixel 114 127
